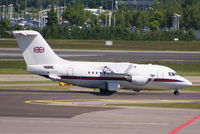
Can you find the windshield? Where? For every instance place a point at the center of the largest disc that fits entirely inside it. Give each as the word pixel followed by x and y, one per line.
pixel 172 74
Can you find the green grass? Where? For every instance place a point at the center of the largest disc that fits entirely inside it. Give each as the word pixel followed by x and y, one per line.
pixel 65 88
pixel 13 67
pixel 165 105
pixel 8 43
pixel 192 88
pixel 19 67
pixel 14 71
pixel 184 69
pixel 13 64
pixel 117 45
pixel 27 82
pixel 127 45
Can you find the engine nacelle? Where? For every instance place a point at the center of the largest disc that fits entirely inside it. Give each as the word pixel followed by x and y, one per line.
pixel 140 80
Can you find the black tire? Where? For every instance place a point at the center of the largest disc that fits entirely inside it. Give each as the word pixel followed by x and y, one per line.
pixel 106 92
pixel 102 91
pixel 176 92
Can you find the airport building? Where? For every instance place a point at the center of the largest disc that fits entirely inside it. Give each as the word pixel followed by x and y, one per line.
pixel 139 4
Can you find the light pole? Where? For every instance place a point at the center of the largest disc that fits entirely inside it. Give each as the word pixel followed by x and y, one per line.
pixel 25 5
pixel 176 21
pixel 17 3
pixel 4 7
pixel 64 3
pixel 112 5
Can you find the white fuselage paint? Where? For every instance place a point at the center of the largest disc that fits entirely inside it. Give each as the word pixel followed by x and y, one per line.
pixel 90 74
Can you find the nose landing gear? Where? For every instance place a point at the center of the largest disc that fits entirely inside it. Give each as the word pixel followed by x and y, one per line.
pixel 136 90
pixel 176 92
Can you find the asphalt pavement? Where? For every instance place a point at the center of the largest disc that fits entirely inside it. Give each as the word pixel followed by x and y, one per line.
pixel 54 111
pixel 18 116
pixel 117 56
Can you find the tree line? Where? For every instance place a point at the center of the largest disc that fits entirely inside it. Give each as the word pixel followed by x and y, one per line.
pixel 158 19
pixel 84 25
pixel 107 4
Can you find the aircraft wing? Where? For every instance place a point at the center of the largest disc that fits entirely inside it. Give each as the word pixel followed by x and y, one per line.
pixel 118 68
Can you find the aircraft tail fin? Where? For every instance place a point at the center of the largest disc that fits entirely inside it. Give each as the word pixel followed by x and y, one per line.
pixel 35 49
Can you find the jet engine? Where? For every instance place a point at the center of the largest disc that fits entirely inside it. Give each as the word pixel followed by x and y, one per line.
pixel 140 80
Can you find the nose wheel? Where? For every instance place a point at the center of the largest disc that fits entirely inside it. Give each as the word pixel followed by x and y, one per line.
pixel 176 92
pixel 136 90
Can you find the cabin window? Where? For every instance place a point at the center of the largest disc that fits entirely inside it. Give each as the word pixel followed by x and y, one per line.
pixel 88 72
pixel 96 72
pixel 92 72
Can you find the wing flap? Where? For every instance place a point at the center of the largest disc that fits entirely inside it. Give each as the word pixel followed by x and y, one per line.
pixel 118 68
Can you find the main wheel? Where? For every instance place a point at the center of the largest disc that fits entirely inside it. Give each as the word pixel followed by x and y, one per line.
pixel 102 91
pixel 176 92
pixel 106 92
pixel 136 90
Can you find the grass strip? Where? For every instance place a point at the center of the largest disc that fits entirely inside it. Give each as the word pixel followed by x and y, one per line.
pixel 183 69
pixel 117 45
pixel 27 82
pixel 165 105
pixel 65 88
pixel 14 71
pixel 13 67
pixel 19 67
pixel 193 88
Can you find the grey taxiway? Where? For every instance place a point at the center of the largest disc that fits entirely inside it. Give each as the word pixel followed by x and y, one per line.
pixel 59 112
pixel 87 112
pixel 118 56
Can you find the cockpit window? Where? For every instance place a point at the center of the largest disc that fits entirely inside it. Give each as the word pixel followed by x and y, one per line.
pixel 172 74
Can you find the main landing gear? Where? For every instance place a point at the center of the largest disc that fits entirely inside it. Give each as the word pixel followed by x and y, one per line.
pixel 106 92
pixel 136 90
pixel 176 92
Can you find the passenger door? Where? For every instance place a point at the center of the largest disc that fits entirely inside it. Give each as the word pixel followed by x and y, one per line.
pixel 70 71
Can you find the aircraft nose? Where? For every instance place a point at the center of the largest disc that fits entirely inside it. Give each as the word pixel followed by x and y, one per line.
pixel 187 83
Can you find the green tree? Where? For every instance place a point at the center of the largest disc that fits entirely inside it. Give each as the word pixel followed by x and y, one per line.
pixel 75 14
pixel 121 17
pixel 51 30
pixel 52 18
pixel 154 25
pixel 140 18
pixel 191 17
pixel 156 19
pixel 4 26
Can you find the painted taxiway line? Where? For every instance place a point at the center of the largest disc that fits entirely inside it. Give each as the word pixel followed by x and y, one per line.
pixel 111 103
pixel 176 130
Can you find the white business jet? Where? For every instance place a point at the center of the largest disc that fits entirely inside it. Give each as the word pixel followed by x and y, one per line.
pixel 109 77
